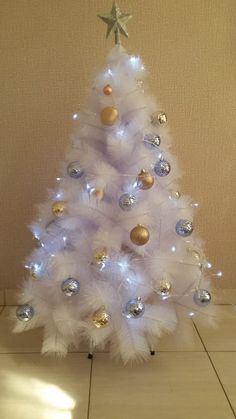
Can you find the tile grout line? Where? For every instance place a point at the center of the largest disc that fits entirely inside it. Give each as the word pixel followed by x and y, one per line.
pixel 90 388
pixel 214 368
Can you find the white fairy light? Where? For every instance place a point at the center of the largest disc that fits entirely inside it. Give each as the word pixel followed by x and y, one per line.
pixel 218 274
pixel 108 72
pixel 195 204
pixel 173 249
pixel 75 116
pixel 64 239
pixel 136 63
pixel 191 314
pixel 120 133
pixel 208 265
pixel 58 179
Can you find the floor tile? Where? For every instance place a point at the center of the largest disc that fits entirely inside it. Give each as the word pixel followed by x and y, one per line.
pixel 32 386
pixel 171 385
pixel 223 337
pixel 224 363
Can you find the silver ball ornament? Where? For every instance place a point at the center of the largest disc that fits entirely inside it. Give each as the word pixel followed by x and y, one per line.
pixel 75 170
pixel 202 297
pixel 24 313
pixel 127 201
pixel 70 287
pixel 134 308
pixel 152 140
pixel 162 168
pixel 184 228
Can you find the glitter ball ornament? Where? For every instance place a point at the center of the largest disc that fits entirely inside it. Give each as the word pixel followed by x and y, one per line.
pixel 100 256
pixel 75 170
pixel 139 235
pixel 164 288
pixel 109 115
pixel 202 297
pixel 152 140
pixel 101 318
pixel 162 168
pixel 58 208
pixel 107 90
pixel 134 308
pixel 145 180
pixel 70 287
pixel 159 118
pixel 24 312
pixel 184 228
pixel 127 201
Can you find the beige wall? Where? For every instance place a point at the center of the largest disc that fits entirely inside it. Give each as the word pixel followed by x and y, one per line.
pixel 49 49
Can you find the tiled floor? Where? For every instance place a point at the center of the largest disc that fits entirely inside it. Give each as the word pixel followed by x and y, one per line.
pixel 183 381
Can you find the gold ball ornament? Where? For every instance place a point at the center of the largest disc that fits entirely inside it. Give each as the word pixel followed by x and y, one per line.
pixel 159 118
pixel 164 288
pixel 100 255
pixel 145 180
pixel 139 235
pixel 58 208
pixel 101 318
pixel 162 118
pixel 107 90
pixel 109 115
pixel 98 194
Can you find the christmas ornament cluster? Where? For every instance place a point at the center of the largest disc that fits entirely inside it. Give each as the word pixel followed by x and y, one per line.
pixel 117 249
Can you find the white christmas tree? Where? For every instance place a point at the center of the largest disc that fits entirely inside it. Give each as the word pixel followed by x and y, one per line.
pixel 117 252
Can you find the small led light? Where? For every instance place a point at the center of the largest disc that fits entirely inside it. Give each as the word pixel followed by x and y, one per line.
pixel 208 265
pixel 195 204
pixel 173 249
pixel 191 314
pixel 59 195
pixel 64 239
pixel 58 179
pixel 75 116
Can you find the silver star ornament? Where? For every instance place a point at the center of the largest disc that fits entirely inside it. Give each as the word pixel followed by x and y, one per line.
pixel 116 22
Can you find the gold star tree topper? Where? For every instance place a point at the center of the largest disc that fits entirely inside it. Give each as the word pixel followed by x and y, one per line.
pixel 116 22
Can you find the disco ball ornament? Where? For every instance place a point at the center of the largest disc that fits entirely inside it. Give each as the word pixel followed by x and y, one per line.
pixel 162 168
pixel 70 287
pixel 145 180
pixel 164 288
pixel 58 208
pixel 184 228
pixel 74 170
pixel 101 318
pixel 152 140
pixel 134 308
pixel 202 297
pixel 127 201
pixel 139 235
pixel 24 313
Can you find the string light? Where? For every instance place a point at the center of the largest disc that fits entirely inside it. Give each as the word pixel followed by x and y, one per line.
pixel 75 116
pixel 136 63
pixel 173 249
